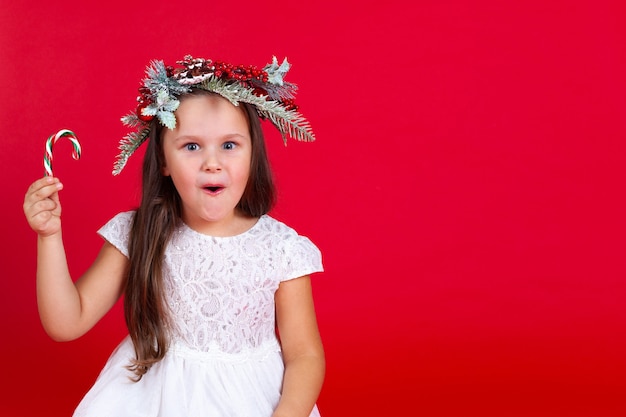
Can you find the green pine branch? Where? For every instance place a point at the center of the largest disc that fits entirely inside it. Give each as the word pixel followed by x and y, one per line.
pixel 289 122
pixel 128 145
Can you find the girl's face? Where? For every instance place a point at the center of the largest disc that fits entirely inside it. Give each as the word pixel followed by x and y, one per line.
pixel 208 158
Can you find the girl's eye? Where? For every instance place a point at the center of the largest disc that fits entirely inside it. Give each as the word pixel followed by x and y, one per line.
pixel 191 146
pixel 229 145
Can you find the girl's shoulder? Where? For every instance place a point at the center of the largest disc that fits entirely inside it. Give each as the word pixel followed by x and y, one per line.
pixel 121 220
pixel 283 235
pixel 116 231
pixel 276 227
pixel 125 216
pixel 300 256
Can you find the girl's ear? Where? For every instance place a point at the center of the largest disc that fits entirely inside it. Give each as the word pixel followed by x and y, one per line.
pixel 164 171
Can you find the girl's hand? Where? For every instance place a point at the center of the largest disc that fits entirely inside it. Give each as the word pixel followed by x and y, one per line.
pixel 42 207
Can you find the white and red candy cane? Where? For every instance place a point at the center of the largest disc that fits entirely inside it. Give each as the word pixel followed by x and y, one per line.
pixel 63 133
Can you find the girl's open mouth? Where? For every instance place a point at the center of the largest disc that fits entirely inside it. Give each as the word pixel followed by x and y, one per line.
pixel 214 189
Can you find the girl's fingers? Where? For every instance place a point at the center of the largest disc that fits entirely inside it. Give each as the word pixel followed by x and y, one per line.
pixel 42 182
pixel 43 188
pixel 44 205
pixel 41 202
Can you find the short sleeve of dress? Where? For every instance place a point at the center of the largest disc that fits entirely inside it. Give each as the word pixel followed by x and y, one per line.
pixel 117 231
pixel 302 257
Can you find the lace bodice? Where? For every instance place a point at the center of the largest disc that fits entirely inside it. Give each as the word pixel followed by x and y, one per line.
pixel 220 290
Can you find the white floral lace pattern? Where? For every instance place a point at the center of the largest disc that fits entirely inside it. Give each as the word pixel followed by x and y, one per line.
pixel 220 290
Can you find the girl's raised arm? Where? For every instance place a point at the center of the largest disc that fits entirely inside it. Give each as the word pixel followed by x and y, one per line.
pixel 67 309
pixel 302 348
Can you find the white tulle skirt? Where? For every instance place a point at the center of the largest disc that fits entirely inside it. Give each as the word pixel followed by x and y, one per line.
pixel 188 384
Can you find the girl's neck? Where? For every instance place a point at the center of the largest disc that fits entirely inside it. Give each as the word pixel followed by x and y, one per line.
pixel 234 225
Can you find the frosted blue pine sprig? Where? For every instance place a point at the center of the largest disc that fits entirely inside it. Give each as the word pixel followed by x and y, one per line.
pixel 276 72
pixel 265 89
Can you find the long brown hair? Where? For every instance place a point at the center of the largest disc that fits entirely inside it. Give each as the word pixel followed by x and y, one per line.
pixel 154 222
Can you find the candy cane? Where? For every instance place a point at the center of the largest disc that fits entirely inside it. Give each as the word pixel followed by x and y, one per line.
pixel 47 159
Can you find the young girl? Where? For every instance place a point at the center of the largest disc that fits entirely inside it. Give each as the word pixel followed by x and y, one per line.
pixel 208 277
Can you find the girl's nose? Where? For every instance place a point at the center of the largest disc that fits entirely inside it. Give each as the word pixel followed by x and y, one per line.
pixel 211 162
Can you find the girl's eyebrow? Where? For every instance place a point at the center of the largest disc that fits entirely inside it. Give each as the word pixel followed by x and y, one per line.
pixel 185 138
pixel 236 135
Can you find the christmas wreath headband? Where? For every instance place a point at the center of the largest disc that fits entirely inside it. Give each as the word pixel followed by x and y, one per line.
pixel 264 88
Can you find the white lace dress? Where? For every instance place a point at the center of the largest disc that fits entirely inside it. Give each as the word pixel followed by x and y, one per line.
pixel 224 359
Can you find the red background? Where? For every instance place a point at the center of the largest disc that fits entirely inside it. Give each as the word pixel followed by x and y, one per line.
pixel 466 189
